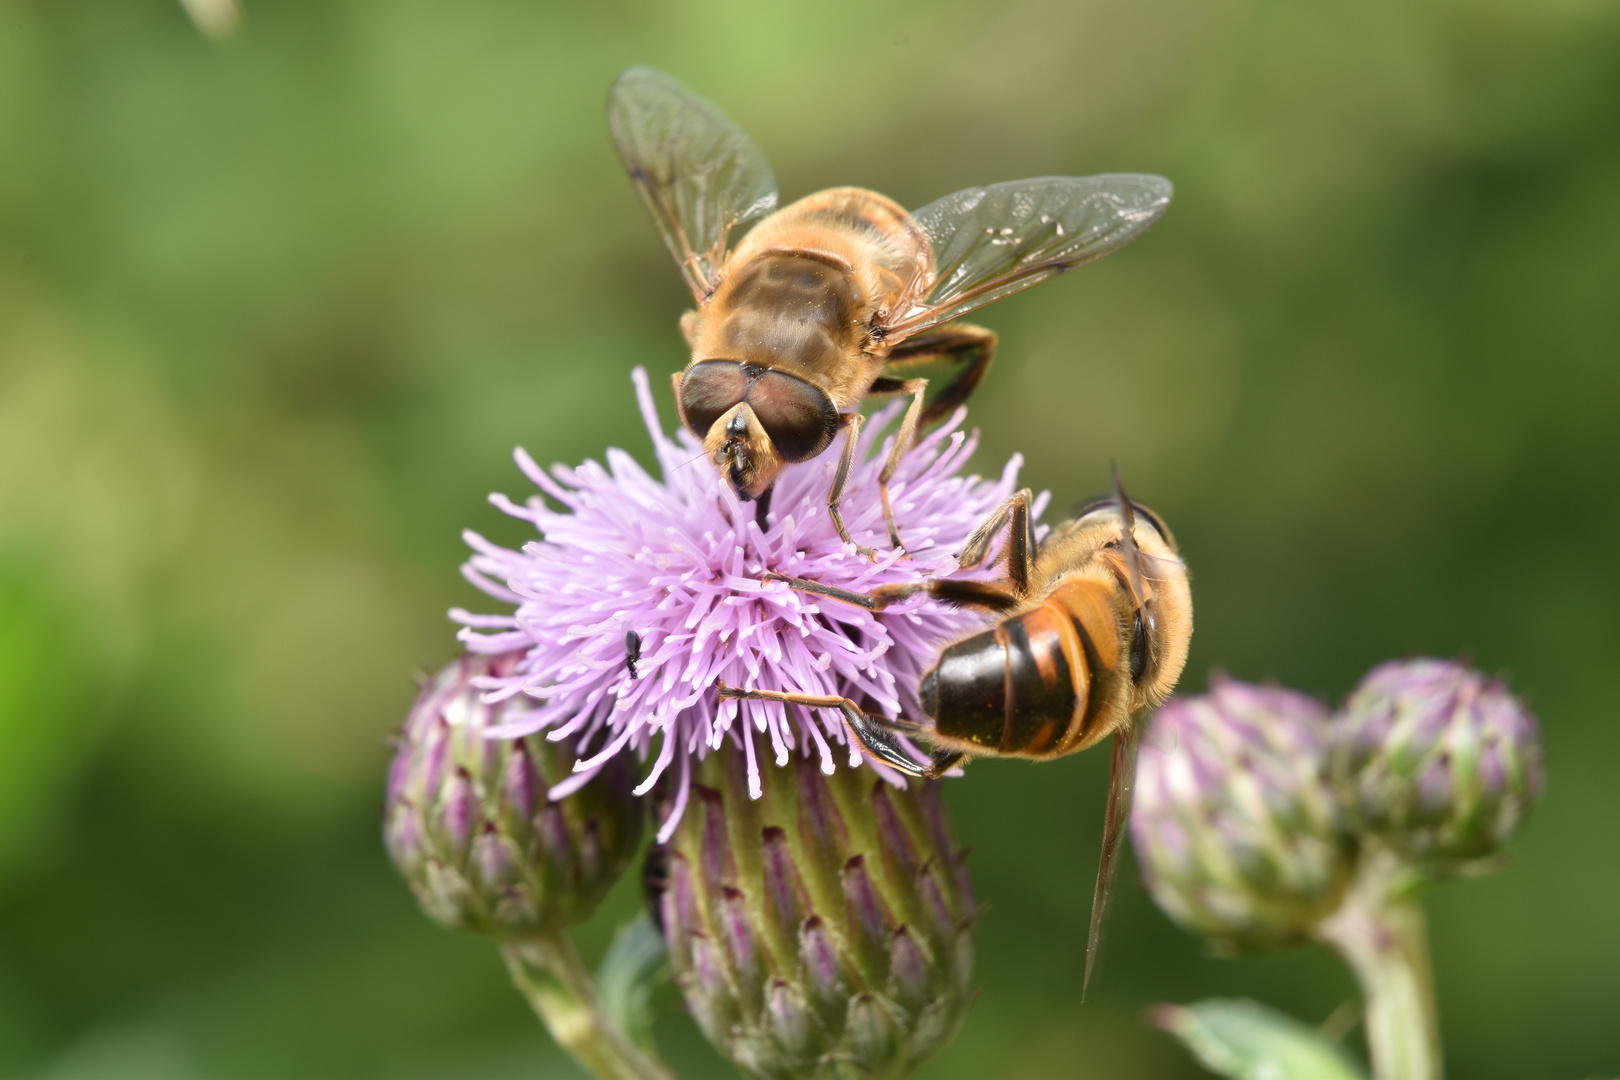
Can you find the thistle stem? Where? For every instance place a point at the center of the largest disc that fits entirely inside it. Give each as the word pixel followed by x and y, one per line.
pixel 1379 931
pixel 548 971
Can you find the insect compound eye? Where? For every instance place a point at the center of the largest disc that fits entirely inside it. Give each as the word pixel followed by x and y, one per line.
pixel 1089 506
pixel 1144 514
pixel 708 389
pixel 798 416
pixel 1101 504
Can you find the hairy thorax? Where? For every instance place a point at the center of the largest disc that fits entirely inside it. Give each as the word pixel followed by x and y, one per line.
pixel 805 288
pixel 790 311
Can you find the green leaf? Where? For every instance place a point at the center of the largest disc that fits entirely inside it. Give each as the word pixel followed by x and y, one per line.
pixel 1245 1040
pixel 631 970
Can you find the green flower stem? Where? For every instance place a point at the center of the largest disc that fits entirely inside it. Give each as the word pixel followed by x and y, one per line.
pixel 549 972
pixel 1379 931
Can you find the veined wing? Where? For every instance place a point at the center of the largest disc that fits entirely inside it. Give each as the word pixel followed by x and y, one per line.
pixel 1121 788
pixel 991 241
pixel 699 175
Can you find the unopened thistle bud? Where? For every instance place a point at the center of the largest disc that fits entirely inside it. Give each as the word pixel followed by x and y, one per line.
pixel 469 823
pixel 1235 825
pixel 1438 761
pixel 823 930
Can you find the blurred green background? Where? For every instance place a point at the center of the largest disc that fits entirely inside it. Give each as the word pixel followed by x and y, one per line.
pixel 274 312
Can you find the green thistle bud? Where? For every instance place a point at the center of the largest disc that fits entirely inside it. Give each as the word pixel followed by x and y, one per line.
pixel 823 930
pixel 1436 760
pixel 1235 826
pixel 470 826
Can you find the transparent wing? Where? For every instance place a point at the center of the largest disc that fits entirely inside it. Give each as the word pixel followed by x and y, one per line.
pixel 992 241
pixel 699 175
pixel 1121 787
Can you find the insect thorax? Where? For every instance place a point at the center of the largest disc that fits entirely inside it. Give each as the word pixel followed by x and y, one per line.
pixel 789 311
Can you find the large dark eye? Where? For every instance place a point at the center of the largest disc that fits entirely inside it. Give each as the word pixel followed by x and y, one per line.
pixel 799 417
pixel 1108 502
pixel 1143 513
pixel 708 389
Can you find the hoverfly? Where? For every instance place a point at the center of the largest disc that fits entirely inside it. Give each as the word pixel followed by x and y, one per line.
pixel 1094 629
pixel 843 294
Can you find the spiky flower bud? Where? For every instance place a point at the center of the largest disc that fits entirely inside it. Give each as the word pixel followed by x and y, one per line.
pixel 470 825
pixel 1438 761
pixel 823 930
pixel 1235 825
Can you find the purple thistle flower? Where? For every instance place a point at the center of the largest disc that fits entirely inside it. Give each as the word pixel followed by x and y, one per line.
pixel 679 560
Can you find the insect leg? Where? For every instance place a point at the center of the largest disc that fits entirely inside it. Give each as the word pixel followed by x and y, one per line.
pixel 984 595
pixel 976 594
pixel 851 423
pixel 1020 545
pixel 958 357
pixel 902 441
pixel 762 508
pixel 871 732
pixel 876 600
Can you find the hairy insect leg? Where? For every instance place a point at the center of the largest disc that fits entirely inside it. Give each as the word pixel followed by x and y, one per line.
pixel 1014 515
pixel 873 733
pixel 975 594
pixel 851 423
pixel 961 351
pixel 876 600
pixel 903 439
pixel 1121 786
pixel 982 595
pixel 762 509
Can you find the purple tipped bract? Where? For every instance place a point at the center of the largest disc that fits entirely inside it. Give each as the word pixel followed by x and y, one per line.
pixel 678 560
pixel 1235 824
pixel 1437 759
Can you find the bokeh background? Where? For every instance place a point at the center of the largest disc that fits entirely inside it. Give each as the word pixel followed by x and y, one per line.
pixel 274 312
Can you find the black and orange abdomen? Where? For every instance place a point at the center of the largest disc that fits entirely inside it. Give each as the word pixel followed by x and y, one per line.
pixel 1036 684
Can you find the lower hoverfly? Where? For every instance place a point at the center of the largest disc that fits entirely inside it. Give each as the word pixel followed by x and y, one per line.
pixel 1093 631
pixel 843 294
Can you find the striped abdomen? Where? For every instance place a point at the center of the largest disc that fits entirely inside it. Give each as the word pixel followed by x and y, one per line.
pixel 1040 684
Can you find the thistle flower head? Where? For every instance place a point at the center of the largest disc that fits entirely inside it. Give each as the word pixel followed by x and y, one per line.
pixel 1235 825
pixel 469 824
pixel 1437 760
pixel 825 930
pixel 677 560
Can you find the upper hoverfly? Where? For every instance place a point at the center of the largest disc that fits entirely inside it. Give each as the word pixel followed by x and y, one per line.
pixel 843 293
